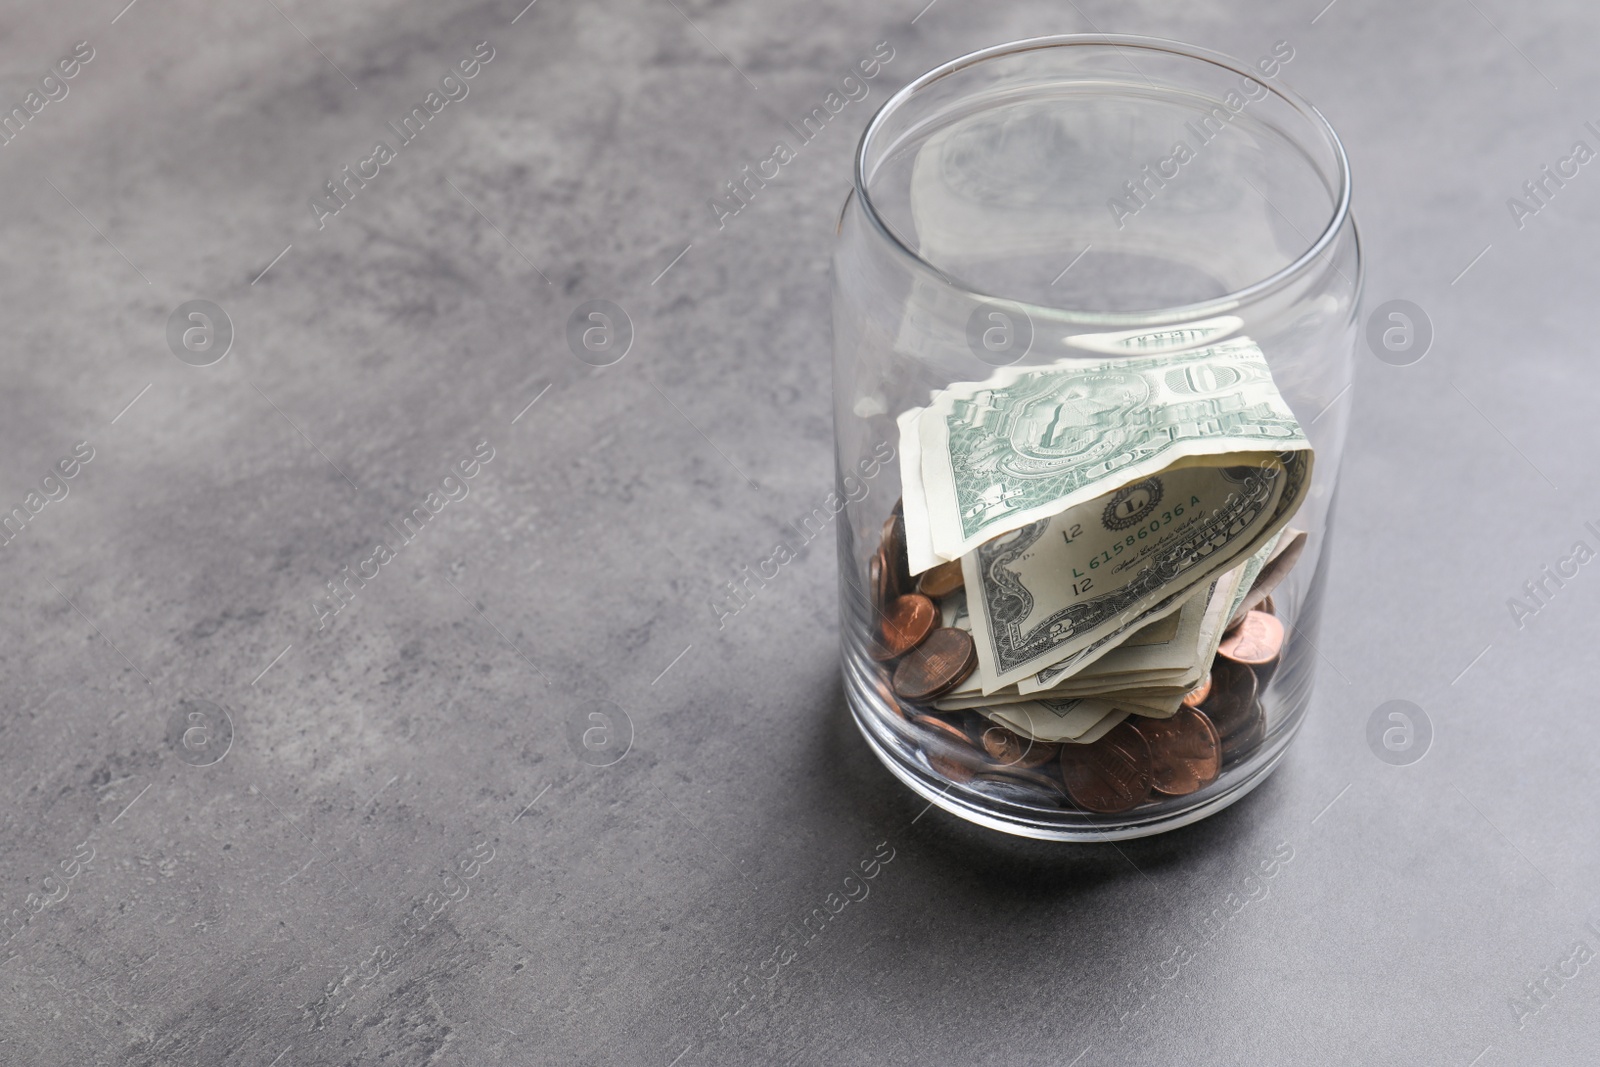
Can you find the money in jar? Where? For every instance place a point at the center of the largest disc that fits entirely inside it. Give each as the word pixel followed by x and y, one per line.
pixel 1075 598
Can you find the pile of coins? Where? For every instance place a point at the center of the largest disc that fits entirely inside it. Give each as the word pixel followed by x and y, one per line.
pixel 1139 761
pixel 929 660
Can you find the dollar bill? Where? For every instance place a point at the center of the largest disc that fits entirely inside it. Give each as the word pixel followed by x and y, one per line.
pixel 1280 557
pixel 953 612
pixel 1178 662
pixel 987 458
pixel 1155 633
pixel 919 535
pixel 1249 569
pixel 1077 721
pixel 1080 662
pixel 1059 588
pixel 1136 663
pixel 1153 701
pixel 1151 653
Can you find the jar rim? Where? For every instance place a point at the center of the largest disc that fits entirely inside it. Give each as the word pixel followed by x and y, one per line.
pixel 1155 316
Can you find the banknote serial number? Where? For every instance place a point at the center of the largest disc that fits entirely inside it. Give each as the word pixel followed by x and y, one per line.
pixel 1082 583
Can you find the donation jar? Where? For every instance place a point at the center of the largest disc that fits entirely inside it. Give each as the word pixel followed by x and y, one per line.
pixel 1095 304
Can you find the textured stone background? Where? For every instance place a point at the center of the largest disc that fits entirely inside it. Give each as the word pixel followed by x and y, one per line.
pixel 294 902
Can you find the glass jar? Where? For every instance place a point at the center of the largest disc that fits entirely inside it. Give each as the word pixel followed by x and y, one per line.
pixel 1113 210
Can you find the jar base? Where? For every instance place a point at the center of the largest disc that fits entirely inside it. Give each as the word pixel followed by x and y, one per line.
pixel 906 762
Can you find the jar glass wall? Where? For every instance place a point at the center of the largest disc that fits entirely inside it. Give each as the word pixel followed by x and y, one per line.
pixel 1093 202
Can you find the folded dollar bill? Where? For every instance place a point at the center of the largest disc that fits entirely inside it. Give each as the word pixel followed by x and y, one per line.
pixel 1060 587
pixel 1157 652
pixel 986 458
pixel 1088 499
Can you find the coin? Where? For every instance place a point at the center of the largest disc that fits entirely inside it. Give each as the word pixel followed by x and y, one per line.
pixel 1185 751
pixel 904 624
pixel 1257 642
pixel 886 694
pixel 951 755
pixel 1238 620
pixel 1014 751
pixel 941 663
pixel 947 767
pixel 1239 745
pixel 943 727
pixel 878 582
pixel 1198 694
pixel 1231 704
pixel 941 580
pixel 1110 776
pixel 894 553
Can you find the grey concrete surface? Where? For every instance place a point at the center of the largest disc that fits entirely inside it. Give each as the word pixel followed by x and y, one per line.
pixel 400 857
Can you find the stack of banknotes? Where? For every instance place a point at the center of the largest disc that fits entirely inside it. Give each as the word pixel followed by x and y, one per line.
pixel 1097 526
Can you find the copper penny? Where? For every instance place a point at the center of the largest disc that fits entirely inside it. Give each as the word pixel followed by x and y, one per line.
pixel 1239 745
pixel 1198 694
pixel 886 694
pixel 948 767
pixel 903 626
pixel 878 582
pixel 942 662
pixel 941 580
pixel 1231 704
pixel 943 727
pixel 951 756
pixel 1185 751
pixel 1110 776
pixel 1012 750
pixel 894 554
pixel 1257 642
pixel 1244 609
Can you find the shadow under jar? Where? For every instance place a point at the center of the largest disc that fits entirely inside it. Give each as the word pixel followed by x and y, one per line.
pixel 1098 206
